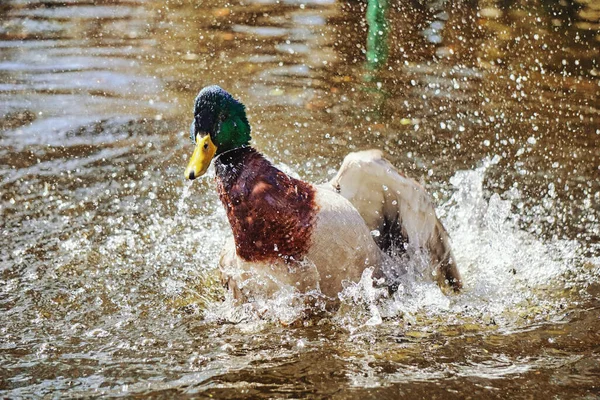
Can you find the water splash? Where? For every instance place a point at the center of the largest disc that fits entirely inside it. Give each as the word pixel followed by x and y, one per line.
pixel 511 277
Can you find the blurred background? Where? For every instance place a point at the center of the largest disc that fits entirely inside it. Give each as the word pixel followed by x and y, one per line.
pixel 108 257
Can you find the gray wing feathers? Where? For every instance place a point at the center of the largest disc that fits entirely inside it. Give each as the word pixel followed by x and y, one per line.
pixel 399 208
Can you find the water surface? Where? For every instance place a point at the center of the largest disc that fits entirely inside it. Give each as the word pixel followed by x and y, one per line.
pixel 108 257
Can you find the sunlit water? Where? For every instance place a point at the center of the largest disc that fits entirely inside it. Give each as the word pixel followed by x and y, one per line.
pixel 108 282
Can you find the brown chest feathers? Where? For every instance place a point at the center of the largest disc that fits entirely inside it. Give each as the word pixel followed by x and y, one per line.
pixel 271 214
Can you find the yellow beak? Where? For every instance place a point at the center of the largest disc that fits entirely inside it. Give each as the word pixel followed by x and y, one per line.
pixel 203 154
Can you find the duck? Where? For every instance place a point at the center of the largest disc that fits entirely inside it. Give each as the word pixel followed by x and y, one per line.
pixel 290 234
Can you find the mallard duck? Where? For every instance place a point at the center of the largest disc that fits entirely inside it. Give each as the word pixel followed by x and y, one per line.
pixel 290 233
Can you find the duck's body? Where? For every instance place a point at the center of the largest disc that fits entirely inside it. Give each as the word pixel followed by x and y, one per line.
pixel 288 233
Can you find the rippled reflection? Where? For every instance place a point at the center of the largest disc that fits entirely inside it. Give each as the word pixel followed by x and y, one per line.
pixel 107 257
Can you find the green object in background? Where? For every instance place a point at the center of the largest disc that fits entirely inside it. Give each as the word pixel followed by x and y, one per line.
pixel 377 52
pixel 377 43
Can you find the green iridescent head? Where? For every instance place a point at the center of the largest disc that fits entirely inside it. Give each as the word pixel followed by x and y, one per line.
pixel 219 125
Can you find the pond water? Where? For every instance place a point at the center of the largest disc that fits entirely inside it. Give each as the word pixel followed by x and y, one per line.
pixel 108 257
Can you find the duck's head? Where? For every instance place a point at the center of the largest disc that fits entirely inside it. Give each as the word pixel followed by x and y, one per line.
pixel 219 125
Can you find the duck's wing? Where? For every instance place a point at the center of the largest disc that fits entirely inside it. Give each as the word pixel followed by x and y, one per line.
pixel 398 208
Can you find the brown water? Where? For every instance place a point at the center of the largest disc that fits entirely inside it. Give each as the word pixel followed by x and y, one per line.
pixel 108 257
